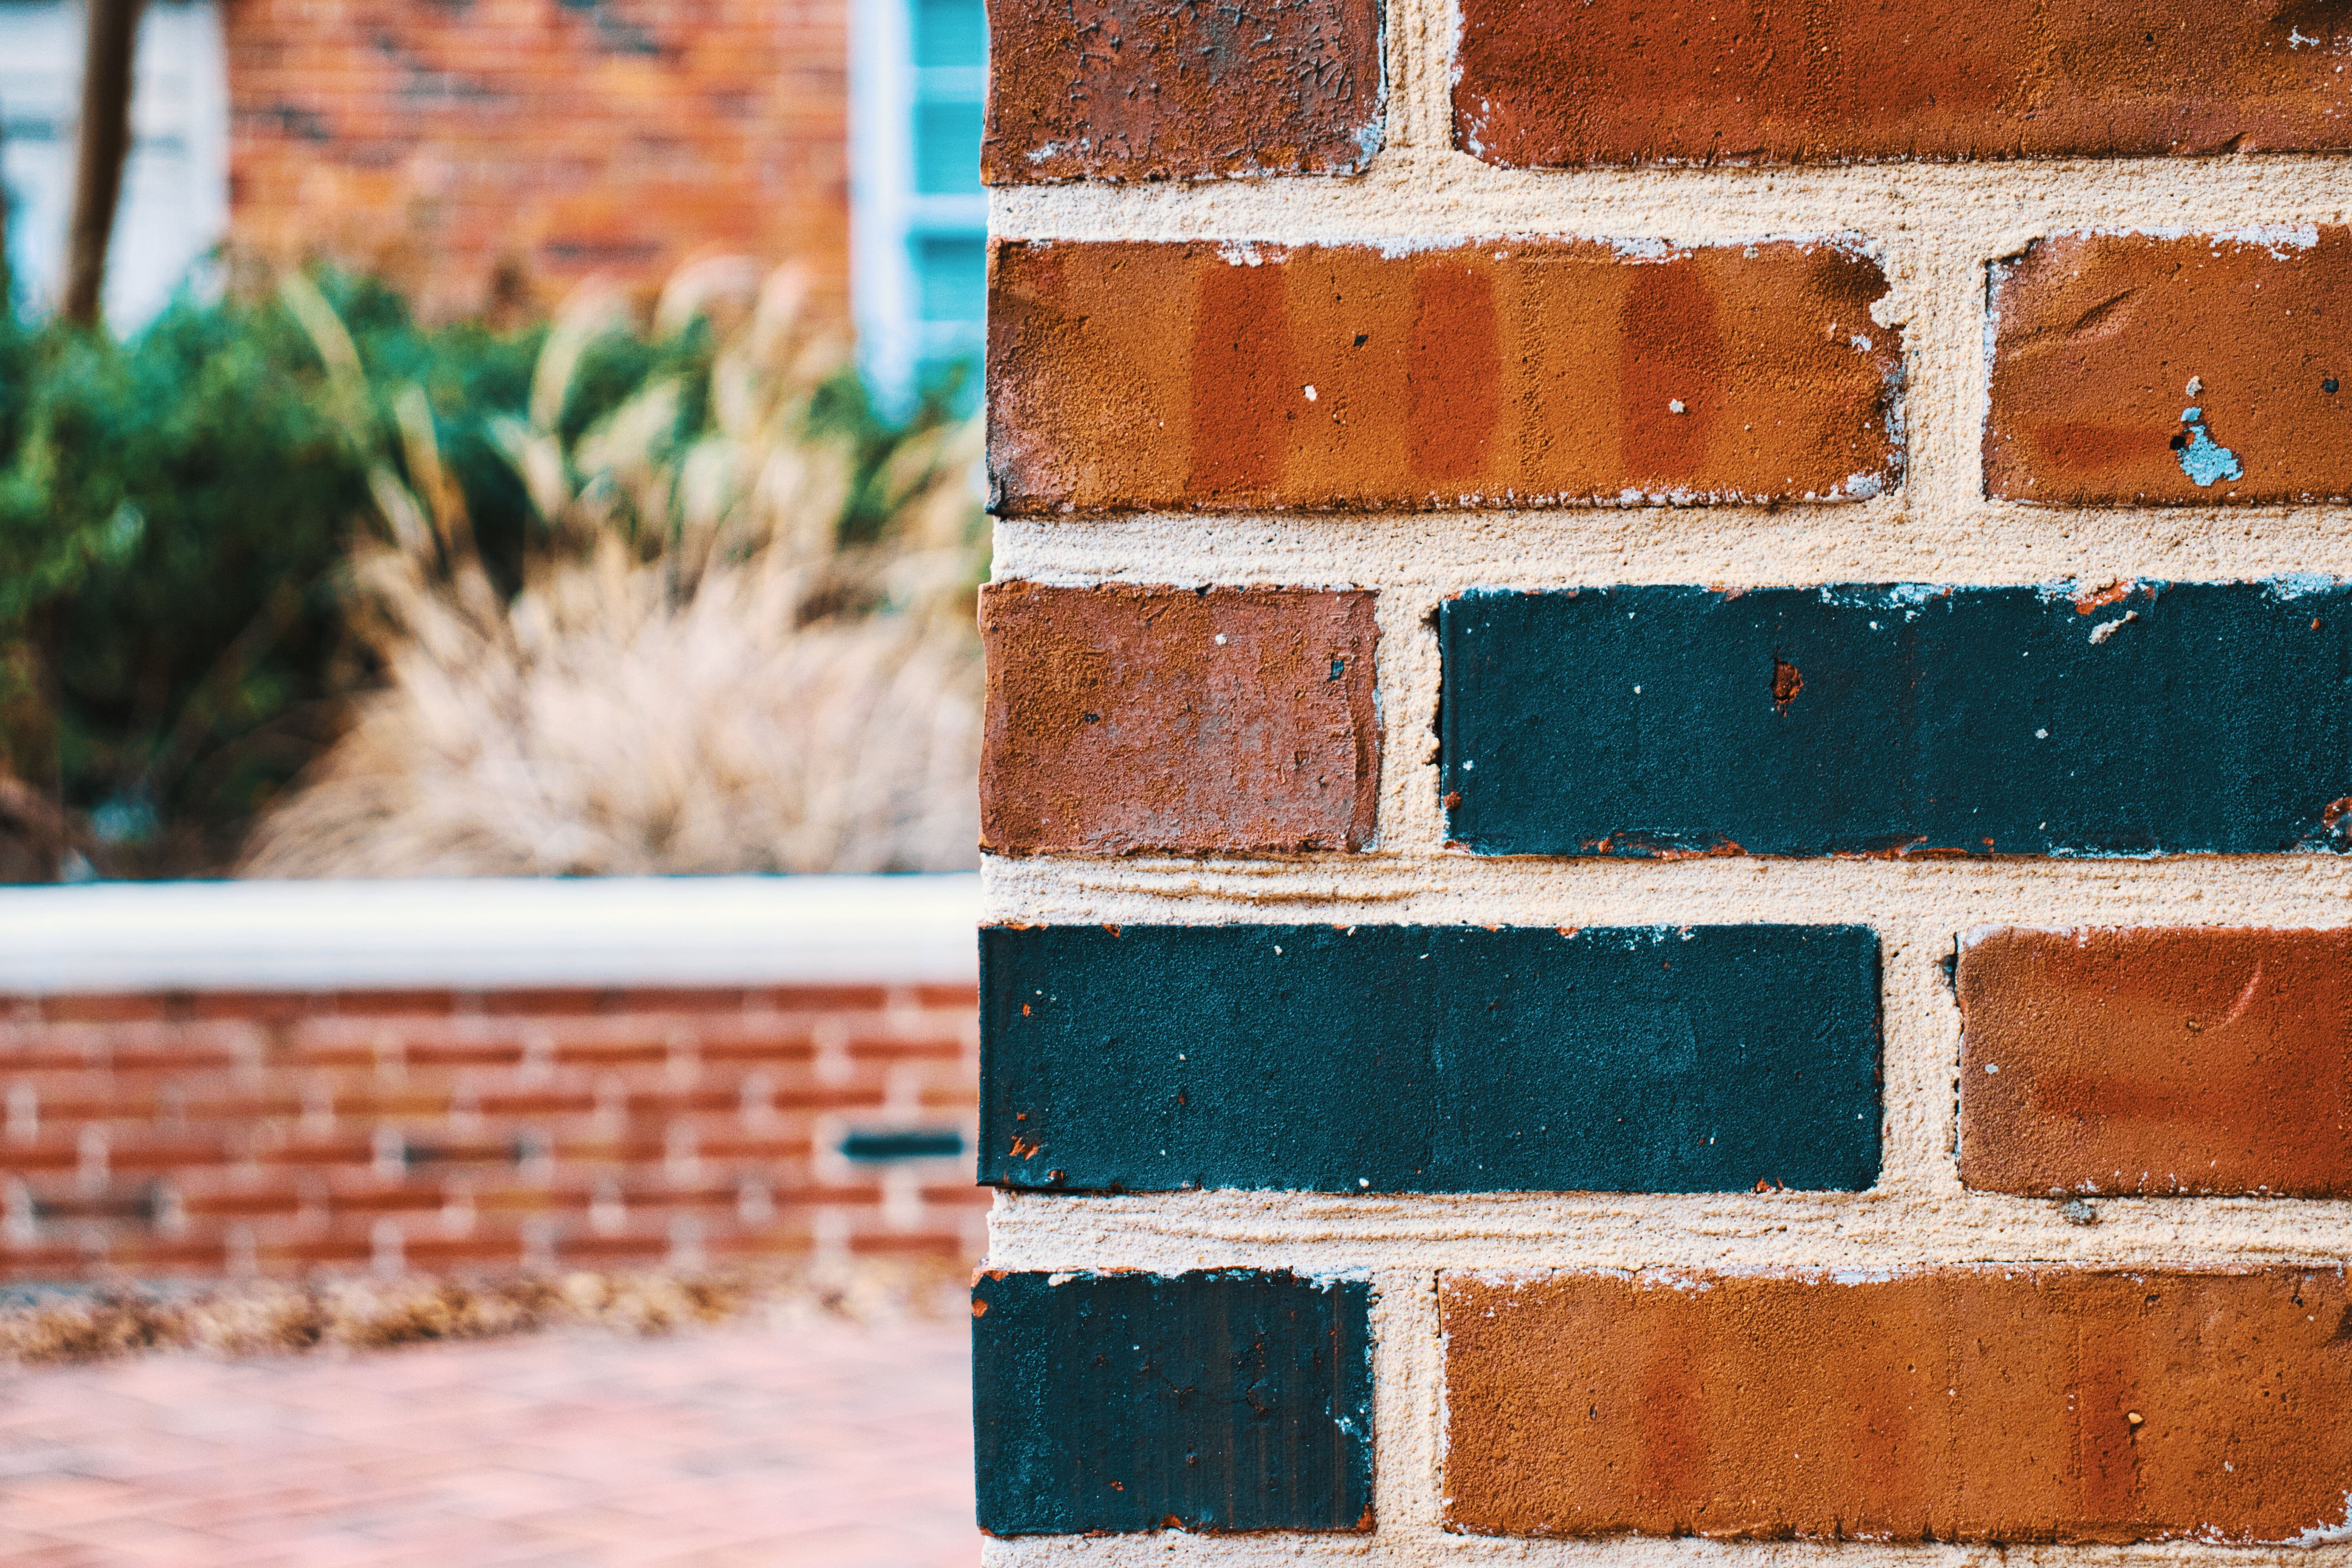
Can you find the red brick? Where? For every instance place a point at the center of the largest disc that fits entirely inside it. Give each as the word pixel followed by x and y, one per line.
pixel 507 1103
pixel 42 1262
pixel 486 158
pixel 1550 83
pixel 1138 89
pixel 1124 720
pixel 2191 1060
pixel 868 1046
pixel 929 1242
pixel 49 1153
pixel 688 1001
pixel 2099 335
pixel 543 1002
pixel 264 1007
pixel 958 1195
pixel 1982 1405
pixel 103 1008
pixel 151 1258
pixel 821 998
pixel 583 1245
pixel 1131 375
pixel 755 1044
pixel 229 1201
pixel 347 1254
pixel 742 1149
pixel 396 1004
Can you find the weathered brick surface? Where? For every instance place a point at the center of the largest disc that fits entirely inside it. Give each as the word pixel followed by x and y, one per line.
pixel 2139 369
pixel 1123 720
pixel 1429 1058
pixel 2200 1060
pixel 1869 719
pixel 1226 1400
pixel 281 1132
pixel 1134 375
pixel 1989 1405
pixel 1138 89
pixel 1564 82
pixel 489 156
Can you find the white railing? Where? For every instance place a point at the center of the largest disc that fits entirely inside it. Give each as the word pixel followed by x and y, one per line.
pixel 488 934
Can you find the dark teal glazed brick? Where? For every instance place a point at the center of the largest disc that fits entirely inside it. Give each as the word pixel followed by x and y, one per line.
pixel 2176 719
pixel 1222 1400
pixel 1429 1058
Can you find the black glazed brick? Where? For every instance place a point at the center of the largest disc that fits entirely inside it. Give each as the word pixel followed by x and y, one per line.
pixel 1429 1058
pixel 1222 1400
pixel 2164 718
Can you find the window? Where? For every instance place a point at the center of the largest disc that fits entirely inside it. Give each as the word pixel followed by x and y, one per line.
pixel 920 245
pixel 176 187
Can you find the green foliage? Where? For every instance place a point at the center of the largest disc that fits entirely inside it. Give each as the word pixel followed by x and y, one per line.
pixel 175 513
pixel 846 407
pixel 177 517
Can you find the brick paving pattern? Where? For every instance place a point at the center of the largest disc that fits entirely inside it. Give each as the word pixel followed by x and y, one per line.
pixel 822 1446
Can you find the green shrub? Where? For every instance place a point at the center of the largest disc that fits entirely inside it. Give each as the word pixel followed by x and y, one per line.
pixel 175 511
pixel 177 517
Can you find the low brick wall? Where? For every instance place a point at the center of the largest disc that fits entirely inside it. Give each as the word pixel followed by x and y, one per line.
pixel 228 1133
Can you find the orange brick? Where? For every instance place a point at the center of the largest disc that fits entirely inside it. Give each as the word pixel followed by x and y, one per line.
pixel 2098 337
pixel 1131 375
pixel 2194 1060
pixel 1983 1404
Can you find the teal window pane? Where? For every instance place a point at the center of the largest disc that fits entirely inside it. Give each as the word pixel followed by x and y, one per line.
pixel 953 379
pixel 949 33
pixel 951 276
pixel 947 149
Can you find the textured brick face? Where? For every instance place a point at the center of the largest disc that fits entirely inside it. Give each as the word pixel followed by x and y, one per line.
pixel 1430 1058
pixel 1861 720
pixel 1127 376
pixel 1229 1400
pixel 1123 720
pixel 1971 1405
pixel 1565 82
pixel 1141 89
pixel 2196 1060
pixel 2100 336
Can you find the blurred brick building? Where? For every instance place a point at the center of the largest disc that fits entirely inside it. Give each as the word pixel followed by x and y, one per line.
pixel 489 151
pixel 488 154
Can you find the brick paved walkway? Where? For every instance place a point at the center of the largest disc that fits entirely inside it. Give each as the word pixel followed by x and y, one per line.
pixel 823 1446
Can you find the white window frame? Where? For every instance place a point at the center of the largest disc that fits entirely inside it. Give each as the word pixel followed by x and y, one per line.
pixel 887 212
pixel 175 204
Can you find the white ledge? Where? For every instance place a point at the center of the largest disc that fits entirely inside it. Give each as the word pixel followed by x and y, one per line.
pixel 489 934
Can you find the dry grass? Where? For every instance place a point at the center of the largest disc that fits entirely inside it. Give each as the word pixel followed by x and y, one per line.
pixel 699 674
pixel 269 1318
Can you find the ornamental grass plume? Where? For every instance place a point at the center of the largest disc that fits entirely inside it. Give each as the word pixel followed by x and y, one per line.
pixel 715 662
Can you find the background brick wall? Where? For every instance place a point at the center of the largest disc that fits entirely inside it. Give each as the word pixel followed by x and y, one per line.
pixel 1830 1034
pixel 204 1134
pixel 487 155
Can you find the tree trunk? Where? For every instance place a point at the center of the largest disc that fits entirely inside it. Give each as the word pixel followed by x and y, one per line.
pixel 101 146
pixel 7 278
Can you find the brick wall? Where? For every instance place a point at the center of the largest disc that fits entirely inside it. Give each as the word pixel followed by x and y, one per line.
pixel 1669 755
pixel 226 1134
pixel 490 154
